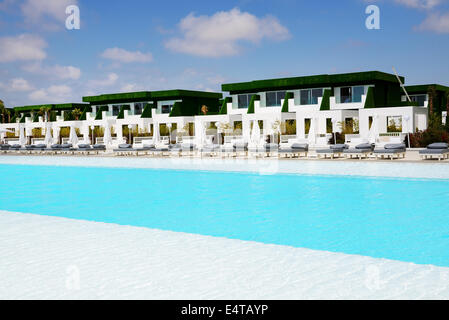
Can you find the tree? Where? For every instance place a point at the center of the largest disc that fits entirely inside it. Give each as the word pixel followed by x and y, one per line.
pixel 76 113
pixel 432 93
pixel 45 112
pixel 2 111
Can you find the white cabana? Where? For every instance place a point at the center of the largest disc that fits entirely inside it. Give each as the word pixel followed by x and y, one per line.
pixel 107 138
pixel 374 130
pixel 73 138
pixel 204 137
pixel 48 137
pixel 86 134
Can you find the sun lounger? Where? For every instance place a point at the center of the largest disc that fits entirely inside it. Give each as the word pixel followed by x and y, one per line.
pixel 438 150
pixel 391 151
pixel 188 149
pixel 124 149
pixel 4 147
pixel 334 151
pixel 241 148
pixel 360 151
pixel 296 149
pixel 211 150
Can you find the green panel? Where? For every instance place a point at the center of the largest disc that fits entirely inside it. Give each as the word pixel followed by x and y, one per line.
pixel 369 102
pixel 176 111
pixel 147 111
pixel 121 114
pixel 99 115
pixel 288 95
pixel 326 100
pixel 254 98
pixel 224 106
pixel 86 110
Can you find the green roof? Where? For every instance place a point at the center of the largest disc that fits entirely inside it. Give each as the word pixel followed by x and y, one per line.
pixel 323 80
pixel 63 106
pixel 118 97
pixel 149 96
pixel 423 88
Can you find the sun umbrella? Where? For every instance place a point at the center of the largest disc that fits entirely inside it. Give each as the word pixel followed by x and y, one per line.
pixel 156 134
pixel 73 138
pixel 255 134
pixel 48 137
pixel 22 137
pixel 373 131
pixel 107 139
pixel 312 135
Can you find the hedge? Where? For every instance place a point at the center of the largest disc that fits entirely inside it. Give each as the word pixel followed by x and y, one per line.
pixel 369 102
pixel 326 100
pixel 288 95
pixel 224 106
pixel 99 114
pixel 147 111
pixel 121 114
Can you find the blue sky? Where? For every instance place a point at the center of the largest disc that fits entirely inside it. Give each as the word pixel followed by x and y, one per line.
pixel 140 45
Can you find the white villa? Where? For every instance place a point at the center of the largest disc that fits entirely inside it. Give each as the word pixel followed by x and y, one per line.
pixel 366 106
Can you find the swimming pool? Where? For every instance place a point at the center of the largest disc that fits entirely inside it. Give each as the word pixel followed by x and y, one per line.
pixel 396 218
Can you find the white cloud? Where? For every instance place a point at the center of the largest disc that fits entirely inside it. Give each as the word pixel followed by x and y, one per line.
pixel 53 94
pixel 420 4
pixel 131 87
pixel 435 22
pixel 122 55
pixel 20 84
pixel 23 47
pixel 110 80
pixel 36 11
pixel 220 34
pixel 60 72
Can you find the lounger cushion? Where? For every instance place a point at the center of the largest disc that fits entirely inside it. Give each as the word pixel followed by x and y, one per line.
pixel 434 151
pixel 99 146
pixel 241 145
pixel 364 146
pixel 124 146
pixel 389 150
pixel 438 145
pixel 394 146
pixel 303 146
pixel 66 145
pixel 149 146
pixel 329 150
pixel 16 146
pixel 83 146
pixel 339 146
pixel 271 146
pixel 30 146
pixel 188 146
pixel 56 146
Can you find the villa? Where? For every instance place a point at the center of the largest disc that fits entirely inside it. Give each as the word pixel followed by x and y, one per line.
pixel 368 106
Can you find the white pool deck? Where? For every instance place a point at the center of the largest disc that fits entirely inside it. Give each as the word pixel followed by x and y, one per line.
pixel 44 257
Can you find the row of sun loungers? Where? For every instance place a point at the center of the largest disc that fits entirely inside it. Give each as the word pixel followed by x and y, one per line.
pixel 54 149
pixel 438 151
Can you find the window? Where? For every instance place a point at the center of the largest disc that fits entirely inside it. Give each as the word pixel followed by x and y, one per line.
pixel 116 109
pixel 138 107
pixel 310 96
pixel 420 98
pixel 345 94
pixel 166 108
pixel 351 94
pixel 244 100
pixel 357 93
pixel 274 98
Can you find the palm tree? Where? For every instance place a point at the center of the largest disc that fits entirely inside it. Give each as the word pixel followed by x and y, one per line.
pixel 45 112
pixel 76 113
pixel 2 110
pixel 432 93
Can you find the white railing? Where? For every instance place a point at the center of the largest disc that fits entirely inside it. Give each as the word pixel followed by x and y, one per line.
pixel 286 137
pixel 142 140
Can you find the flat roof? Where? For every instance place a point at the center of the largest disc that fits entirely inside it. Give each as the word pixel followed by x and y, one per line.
pixel 60 106
pixel 149 96
pixel 311 81
pixel 423 88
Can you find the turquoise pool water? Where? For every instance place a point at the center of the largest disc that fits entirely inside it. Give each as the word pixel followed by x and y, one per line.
pixel 401 219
